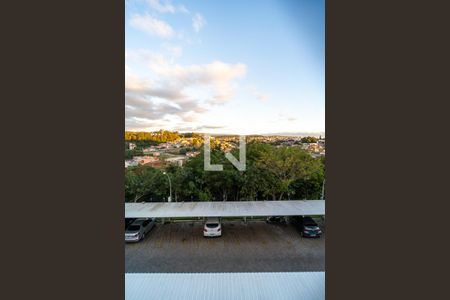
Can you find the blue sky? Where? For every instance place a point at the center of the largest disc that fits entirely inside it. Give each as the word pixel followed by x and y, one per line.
pixel 243 67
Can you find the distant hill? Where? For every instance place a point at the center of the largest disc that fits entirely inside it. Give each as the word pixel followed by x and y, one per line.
pixel 314 134
pixel 164 135
pixel 302 134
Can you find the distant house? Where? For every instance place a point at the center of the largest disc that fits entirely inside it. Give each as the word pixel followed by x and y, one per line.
pixel 131 163
pixel 305 146
pixel 143 160
pixel 163 146
pixel 177 160
pixel 131 146
pixel 313 147
pixel 317 154
pixel 192 153
pixel 149 150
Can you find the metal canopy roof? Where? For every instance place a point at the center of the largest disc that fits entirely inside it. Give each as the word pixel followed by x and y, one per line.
pixel 225 286
pixel 224 209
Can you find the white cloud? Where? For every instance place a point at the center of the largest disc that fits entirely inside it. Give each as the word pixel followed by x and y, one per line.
pixel 198 22
pixel 165 6
pixel 153 102
pixel 173 90
pixel 217 76
pixel 151 26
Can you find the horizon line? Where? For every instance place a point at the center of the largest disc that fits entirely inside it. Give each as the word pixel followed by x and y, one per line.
pixel 225 133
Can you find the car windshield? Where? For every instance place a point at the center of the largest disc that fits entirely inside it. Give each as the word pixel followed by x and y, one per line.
pixel 133 228
pixel 212 225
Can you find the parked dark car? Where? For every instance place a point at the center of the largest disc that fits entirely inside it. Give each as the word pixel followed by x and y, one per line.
pixel 307 226
pixel 129 221
pixel 276 220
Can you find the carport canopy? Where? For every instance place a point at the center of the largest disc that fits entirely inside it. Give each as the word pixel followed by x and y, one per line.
pixel 224 209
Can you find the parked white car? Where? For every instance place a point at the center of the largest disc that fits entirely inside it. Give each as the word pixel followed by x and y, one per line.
pixel 212 227
pixel 138 229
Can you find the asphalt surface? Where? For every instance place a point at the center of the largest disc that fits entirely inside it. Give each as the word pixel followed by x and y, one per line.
pixel 252 247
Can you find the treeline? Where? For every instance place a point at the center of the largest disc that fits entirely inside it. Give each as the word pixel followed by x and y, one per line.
pixel 309 139
pixel 191 135
pixel 271 174
pixel 161 136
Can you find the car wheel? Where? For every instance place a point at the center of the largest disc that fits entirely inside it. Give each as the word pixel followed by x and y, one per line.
pixel 143 236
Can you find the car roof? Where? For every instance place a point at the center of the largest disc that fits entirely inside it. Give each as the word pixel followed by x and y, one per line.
pixel 129 228
pixel 139 221
pixel 310 221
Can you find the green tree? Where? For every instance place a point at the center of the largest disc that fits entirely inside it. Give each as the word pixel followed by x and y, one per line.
pixel 309 139
pixel 271 173
pixel 144 180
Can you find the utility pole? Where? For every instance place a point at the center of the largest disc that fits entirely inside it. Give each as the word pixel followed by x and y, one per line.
pixel 170 187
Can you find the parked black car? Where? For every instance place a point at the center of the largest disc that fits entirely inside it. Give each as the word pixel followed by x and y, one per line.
pixel 307 226
pixel 276 220
pixel 128 221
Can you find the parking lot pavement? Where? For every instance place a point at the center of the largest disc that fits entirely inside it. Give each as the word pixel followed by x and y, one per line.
pixel 252 247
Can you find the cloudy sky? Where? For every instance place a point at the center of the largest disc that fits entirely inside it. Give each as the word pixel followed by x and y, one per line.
pixel 234 66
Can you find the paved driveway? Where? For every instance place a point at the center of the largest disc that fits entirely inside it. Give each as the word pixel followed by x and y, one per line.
pixel 255 247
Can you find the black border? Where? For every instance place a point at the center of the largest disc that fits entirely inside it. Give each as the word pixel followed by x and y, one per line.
pixel 386 81
pixel 64 64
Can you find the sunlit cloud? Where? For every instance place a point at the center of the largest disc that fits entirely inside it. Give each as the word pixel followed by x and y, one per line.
pixel 166 6
pixel 152 26
pixel 172 90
